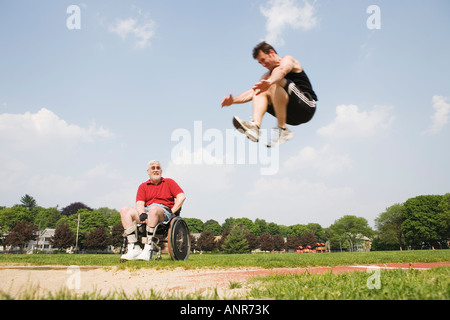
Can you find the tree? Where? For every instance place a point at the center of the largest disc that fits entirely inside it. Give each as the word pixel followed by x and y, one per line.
pixel 206 241
pixel 89 221
pixel 246 223
pixel 308 239
pixel 424 223
pixel 46 217
pixel 278 242
pixel 273 228
pixel 284 231
pixel 351 229
pixel 9 217
pixel 292 242
pixel 266 242
pixel 260 227
pixel 444 216
pixel 389 225
pixel 63 237
pixel 298 230
pixel 97 239
pixel 28 202
pixel 228 224
pixel 252 240
pixel 112 216
pixel 116 239
pixel 22 233
pixel 73 208
pixel 236 241
pixel 317 230
pixel 212 226
pixel 193 242
pixel 222 239
pixel 195 225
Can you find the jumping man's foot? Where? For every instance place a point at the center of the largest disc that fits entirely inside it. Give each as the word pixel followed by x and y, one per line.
pixel 279 136
pixel 249 128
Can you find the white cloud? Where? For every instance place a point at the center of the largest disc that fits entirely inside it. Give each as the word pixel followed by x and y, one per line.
pixel 141 31
pixel 196 175
pixel 103 170
pixel 286 13
pixel 441 114
pixel 352 123
pixel 324 161
pixel 98 186
pixel 35 130
pixel 45 156
pixel 288 201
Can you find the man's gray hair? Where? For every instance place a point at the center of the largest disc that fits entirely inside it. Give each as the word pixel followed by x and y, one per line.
pixel 153 162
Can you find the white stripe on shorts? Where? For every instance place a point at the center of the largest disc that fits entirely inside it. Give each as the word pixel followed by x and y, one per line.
pixel 293 88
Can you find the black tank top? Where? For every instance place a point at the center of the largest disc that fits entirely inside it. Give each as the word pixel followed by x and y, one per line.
pixel 302 82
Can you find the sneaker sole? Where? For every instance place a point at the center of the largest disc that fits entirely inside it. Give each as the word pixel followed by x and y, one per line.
pixel 289 137
pixel 238 125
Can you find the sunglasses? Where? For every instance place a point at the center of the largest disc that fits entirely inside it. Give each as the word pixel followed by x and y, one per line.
pixel 155 167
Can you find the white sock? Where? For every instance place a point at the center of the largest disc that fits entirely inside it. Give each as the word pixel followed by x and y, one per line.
pixel 151 231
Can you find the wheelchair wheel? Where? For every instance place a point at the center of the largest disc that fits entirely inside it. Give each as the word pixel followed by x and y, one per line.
pixel 179 241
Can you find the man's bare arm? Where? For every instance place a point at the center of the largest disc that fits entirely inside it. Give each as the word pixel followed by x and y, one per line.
pixel 242 98
pixel 140 207
pixel 179 199
pixel 286 65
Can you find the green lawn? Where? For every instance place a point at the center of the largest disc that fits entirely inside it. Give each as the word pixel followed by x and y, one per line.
pixel 268 261
pixel 433 284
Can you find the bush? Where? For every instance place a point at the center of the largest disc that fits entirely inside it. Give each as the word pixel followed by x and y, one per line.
pixel 236 241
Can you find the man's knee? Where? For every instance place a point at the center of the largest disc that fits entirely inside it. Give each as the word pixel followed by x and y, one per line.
pixel 126 212
pixel 155 211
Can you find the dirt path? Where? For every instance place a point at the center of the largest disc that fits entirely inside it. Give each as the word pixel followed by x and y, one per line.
pixel 16 279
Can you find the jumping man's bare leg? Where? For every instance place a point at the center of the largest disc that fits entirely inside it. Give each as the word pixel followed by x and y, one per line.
pixel 280 99
pixel 260 103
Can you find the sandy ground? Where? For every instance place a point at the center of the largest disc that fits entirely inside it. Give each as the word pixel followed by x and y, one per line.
pixel 14 280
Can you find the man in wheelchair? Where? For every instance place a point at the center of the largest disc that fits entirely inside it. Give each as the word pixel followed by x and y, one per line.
pixel 157 200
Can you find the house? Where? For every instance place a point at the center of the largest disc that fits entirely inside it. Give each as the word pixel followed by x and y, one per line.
pixel 42 241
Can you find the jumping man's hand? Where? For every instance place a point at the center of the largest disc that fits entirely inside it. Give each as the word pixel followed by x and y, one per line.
pixel 262 86
pixel 227 101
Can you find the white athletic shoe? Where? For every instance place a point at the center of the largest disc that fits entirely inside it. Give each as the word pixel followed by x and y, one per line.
pixel 249 128
pixel 133 253
pixel 280 136
pixel 147 253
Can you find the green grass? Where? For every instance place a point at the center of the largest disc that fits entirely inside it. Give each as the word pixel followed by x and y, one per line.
pixel 267 261
pixel 433 284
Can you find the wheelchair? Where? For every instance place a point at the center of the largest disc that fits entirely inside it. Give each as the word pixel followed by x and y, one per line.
pixel 173 233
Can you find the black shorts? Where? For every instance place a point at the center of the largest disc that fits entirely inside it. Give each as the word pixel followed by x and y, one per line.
pixel 301 107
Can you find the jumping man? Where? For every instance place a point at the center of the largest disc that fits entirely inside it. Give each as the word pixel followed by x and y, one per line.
pixel 284 91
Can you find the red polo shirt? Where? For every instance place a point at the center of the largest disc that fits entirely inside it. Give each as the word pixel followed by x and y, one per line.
pixel 163 193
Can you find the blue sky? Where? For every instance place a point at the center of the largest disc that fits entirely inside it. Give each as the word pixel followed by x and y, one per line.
pixel 83 110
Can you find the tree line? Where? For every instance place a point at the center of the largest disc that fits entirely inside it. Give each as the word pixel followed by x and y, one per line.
pixel 420 222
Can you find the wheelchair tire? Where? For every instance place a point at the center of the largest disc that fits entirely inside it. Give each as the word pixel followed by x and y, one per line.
pixel 179 241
